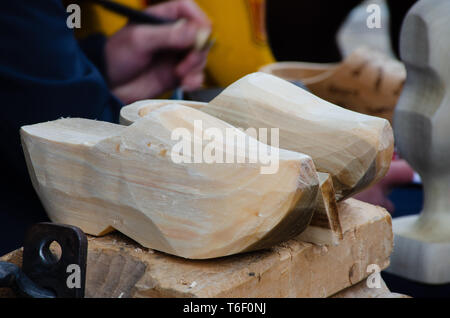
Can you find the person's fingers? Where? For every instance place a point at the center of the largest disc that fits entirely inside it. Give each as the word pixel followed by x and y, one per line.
pixel 180 9
pixel 179 36
pixel 193 81
pixel 151 83
pixel 195 62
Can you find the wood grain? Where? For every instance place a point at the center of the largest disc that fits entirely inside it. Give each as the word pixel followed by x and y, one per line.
pixel 101 176
pixel 117 266
pixel 325 226
pixel 355 149
pixel 367 81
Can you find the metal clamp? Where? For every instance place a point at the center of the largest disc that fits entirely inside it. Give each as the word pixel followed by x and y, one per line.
pixel 43 275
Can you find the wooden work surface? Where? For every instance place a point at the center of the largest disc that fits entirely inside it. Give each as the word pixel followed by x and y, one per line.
pixel 119 267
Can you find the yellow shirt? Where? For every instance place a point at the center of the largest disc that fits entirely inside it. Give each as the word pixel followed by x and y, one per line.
pixel 96 19
pixel 240 47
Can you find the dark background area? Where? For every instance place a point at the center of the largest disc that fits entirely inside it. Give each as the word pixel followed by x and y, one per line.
pixel 306 30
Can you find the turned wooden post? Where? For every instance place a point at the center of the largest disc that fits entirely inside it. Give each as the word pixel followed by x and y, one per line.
pixel 422 132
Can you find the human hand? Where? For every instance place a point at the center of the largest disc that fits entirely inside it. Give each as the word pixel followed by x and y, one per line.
pixel 399 173
pixel 144 61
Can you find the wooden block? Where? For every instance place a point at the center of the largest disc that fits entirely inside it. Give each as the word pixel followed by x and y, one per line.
pixel 118 267
pixel 422 130
pixel 325 226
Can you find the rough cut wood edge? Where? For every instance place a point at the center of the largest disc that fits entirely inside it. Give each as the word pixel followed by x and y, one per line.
pixel 119 267
pixel 325 226
pixel 131 113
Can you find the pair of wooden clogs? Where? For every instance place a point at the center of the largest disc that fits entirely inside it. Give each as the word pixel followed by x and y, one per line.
pixel 102 176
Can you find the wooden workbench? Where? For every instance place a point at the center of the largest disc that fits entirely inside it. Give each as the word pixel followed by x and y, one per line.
pixel 119 267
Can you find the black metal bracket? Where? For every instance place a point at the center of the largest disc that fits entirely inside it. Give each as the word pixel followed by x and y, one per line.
pixel 41 266
pixel 43 275
pixel 12 276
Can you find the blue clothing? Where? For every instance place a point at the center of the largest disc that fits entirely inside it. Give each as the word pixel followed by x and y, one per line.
pixel 45 74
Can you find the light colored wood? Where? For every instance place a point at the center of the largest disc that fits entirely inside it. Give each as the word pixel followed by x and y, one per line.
pixel 417 259
pixel 355 149
pixel 101 176
pixel 118 267
pixel 131 113
pixel 307 73
pixel 367 81
pixel 422 129
pixel 325 225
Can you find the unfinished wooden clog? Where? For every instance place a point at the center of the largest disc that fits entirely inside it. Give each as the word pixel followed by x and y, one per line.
pixel 355 149
pixel 101 176
pixel 324 228
pixel 367 81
